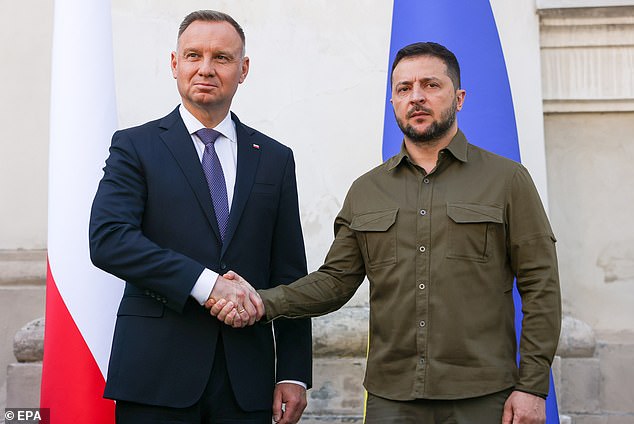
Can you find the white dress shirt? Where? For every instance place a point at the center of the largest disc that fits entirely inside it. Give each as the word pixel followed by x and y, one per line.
pixel 226 146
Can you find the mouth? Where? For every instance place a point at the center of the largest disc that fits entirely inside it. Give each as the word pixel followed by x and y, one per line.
pixel 205 85
pixel 418 112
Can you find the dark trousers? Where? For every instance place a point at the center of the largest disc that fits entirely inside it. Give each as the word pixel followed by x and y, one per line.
pixel 480 410
pixel 217 405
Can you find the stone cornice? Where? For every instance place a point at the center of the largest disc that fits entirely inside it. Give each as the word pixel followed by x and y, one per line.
pixel 563 4
pixel 587 59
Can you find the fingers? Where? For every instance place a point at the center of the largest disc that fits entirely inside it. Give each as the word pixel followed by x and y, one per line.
pixel 254 298
pixel 236 320
pixel 289 402
pixel 232 289
pixel 524 408
pixel 259 305
pixel 227 312
pixel 252 302
pixel 249 311
pixel 222 309
pixel 507 416
pixel 277 405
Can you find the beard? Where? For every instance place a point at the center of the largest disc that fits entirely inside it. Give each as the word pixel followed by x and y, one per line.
pixel 433 132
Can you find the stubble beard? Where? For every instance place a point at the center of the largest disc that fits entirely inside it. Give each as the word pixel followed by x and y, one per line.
pixel 433 132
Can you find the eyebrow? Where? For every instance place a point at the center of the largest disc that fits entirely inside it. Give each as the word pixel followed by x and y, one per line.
pixel 425 79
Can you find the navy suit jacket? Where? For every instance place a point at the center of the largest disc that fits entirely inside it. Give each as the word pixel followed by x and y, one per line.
pixel 153 225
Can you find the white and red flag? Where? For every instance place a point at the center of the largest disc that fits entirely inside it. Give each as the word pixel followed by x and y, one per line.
pixel 81 301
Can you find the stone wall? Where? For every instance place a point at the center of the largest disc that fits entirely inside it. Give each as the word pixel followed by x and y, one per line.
pixel 592 372
pixel 588 91
pixel 22 282
pixel 592 375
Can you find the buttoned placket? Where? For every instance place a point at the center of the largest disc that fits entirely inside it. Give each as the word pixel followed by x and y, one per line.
pixel 423 271
pixel 421 283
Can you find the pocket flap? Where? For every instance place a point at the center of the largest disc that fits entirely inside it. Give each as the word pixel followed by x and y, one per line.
pixel 474 212
pixel 374 221
pixel 265 188
pixel 140 306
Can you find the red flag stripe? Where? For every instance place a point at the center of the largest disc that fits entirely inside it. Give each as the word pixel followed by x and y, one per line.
pixel 72 384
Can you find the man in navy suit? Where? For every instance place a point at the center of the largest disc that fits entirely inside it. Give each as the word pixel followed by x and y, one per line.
pixel 164 221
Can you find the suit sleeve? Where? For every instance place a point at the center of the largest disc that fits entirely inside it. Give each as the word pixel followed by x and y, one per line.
pixel 293 338
pixel 117 243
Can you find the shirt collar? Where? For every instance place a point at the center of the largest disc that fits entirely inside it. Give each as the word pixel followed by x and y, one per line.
pixel 457 147
pixel 226 127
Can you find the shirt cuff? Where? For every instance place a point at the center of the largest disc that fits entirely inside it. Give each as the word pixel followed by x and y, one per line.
pixel 204 285
pixel 299 383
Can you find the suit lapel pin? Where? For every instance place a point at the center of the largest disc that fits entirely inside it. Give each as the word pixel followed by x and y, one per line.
pixel 256 146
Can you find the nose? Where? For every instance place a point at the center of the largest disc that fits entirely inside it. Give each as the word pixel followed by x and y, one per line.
pixel 417 94
pixel 207 67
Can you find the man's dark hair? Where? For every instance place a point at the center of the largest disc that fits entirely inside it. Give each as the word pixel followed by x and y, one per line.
pixel 435 50
pixel 211 16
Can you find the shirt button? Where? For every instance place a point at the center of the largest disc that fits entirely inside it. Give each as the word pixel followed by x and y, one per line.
pixel 423 212
pixel 421 286
pixel 422 249
pixel 422 323
pixel 426 180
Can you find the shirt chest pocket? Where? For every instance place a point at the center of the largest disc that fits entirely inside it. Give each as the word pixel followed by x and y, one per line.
pixel 376 233
pixel 472 230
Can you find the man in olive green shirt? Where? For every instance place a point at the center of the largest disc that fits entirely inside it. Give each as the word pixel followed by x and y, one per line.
pixel 441 230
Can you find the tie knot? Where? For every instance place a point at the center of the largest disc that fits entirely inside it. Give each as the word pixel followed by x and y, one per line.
pixel 208 135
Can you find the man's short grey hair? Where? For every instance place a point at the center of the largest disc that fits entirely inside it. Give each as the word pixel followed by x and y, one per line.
pixel 211 16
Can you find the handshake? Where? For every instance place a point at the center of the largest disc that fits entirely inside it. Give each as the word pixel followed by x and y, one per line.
pixel 234 301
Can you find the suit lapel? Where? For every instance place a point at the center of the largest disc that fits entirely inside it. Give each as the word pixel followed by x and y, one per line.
pixel 178 141
pixel 248 159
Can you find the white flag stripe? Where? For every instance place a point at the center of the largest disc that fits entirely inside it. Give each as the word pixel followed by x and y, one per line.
pixel 519 36
pixel 83 118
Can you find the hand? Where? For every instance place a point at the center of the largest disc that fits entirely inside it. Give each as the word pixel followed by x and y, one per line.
pixel 293 398
pixel 239 303
pixel 524 408
pixel 236 302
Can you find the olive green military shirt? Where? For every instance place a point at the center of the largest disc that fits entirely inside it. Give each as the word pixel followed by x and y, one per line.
pixel 441 252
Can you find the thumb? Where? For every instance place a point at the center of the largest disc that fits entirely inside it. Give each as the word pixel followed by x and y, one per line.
pixel 507 416
pixel 277 405
pixel 230 275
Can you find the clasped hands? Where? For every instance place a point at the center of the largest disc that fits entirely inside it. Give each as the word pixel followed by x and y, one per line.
pixel 234 301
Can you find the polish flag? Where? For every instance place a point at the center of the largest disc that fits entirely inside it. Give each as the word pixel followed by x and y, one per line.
pixel 81 301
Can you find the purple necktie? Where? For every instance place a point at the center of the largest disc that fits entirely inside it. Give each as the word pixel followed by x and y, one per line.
pixel 215 178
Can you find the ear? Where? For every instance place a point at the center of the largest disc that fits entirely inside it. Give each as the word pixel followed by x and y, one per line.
pixel 460 95
pixel 173 63
pixel 244 69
